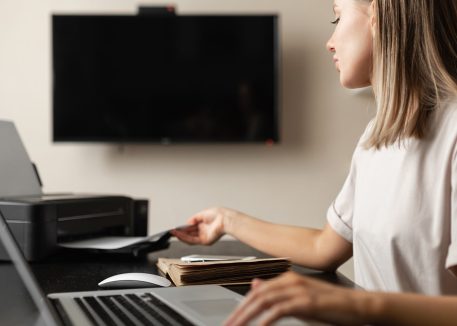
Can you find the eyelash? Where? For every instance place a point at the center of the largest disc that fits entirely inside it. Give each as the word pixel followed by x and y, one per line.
pixel 336 21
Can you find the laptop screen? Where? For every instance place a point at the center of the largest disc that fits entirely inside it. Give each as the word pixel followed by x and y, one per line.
pixel 21 300
pixel 16 170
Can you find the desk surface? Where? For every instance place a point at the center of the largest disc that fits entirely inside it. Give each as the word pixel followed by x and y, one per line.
pixel 83 273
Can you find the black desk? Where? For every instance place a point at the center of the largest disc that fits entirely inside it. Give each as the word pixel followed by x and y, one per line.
pixel 83 273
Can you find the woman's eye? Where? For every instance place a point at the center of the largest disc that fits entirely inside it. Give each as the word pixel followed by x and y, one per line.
pixel 336 21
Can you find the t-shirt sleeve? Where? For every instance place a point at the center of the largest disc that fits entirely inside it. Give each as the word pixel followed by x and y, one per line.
pixel 340 212
pixel 451 259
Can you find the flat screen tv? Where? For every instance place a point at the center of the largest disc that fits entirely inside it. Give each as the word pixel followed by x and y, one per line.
pixel 165 79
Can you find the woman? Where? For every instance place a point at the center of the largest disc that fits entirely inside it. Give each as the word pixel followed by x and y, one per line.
pixel 397 211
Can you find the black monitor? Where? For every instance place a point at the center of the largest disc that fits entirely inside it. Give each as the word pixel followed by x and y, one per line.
pixel 165 78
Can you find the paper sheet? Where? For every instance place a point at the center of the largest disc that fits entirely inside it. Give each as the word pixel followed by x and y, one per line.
pixel 110 243
pixel 113 243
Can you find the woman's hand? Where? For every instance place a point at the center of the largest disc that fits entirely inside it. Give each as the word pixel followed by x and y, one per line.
pixel 296 296
pixel 205 227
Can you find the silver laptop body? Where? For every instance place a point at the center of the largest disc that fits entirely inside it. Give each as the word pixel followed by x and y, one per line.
pixel 191 305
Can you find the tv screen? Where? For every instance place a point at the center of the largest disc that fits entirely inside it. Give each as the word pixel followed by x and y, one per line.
pixel 165 79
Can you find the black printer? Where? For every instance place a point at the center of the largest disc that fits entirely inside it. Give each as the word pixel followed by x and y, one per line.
pixel 39 222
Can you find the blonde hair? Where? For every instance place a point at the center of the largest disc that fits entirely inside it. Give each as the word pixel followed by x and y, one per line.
pixel 414 66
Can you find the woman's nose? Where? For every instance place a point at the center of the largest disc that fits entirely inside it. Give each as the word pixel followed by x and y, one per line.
pixel 330 45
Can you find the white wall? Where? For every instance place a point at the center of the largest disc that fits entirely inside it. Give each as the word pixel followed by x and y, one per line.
pixel 293 182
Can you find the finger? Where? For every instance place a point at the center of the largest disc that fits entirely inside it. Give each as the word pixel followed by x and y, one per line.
pixel 255 303
pixel 266 294
pixel 234 317
pixel 181 233
pixel 285 280
pixel 190 239
pixel 256 283
pixel 196 219
pixel 190 229
pixel 175 232
pixel 193 233
pixel 187 227
pixel 252 310
pixel 280 310
pixel 204 216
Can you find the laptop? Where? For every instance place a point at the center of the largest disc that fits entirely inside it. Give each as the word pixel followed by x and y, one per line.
pixel 19 178
pixel 23 303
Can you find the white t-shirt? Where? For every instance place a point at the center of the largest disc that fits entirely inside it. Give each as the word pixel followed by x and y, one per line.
pixel 398 207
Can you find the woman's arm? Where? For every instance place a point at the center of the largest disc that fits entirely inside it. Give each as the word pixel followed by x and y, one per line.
pixel 310 299
pixel 318 249
pixel 414 309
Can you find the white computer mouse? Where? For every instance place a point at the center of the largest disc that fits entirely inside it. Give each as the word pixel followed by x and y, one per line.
pixel 134 280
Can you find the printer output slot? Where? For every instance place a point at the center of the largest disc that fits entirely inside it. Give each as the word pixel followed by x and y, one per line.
pixel 118 212
pixel 100 217
pixel 113 231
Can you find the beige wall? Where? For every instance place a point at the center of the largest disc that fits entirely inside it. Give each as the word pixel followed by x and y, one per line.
pixel 293 182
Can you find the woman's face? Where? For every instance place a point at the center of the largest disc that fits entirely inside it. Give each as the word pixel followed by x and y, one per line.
pixel 352 42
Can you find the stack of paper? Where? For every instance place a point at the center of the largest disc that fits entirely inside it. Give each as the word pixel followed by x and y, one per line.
pixel 221 272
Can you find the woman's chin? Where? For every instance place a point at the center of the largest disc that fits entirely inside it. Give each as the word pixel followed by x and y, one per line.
pixel 351 83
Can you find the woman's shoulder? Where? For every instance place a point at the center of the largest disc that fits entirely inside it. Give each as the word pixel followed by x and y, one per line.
pixel 366 133
pixel 449 105
pixel 447 112
pixel 444 125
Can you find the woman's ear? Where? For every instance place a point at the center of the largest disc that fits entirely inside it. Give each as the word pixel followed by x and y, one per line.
pixel 372 13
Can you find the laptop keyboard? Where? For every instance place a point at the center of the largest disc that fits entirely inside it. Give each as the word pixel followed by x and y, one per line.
pixel 129 309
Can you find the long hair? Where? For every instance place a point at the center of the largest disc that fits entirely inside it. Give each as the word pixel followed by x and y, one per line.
pixel 414 66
